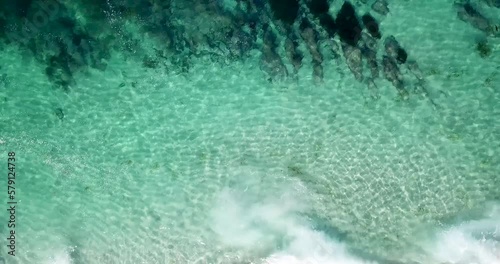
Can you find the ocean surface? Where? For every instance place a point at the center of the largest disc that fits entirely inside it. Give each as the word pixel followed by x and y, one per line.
pixel 155 142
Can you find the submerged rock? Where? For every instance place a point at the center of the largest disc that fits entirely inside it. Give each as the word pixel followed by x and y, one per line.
pixel 318 7
pixel 59 113
pixel 311 38
pixel 393 75
pixel 59 70
pixel 348 26
pixel 483 48
pixel 239 42
pixel 371 25
pixel 328 23
pixel 294 54
pixel 285 10
pixel 354 60
pixel 272 65
pixel 369 51
pixel 381 7
pixel 494 3
pixel 467 13
pixel 394 50
pixel 271 62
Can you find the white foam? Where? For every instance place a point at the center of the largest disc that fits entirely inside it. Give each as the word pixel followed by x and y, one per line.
pixel 272 229
pixel 472 242
pixel 59 257
pixel 313 247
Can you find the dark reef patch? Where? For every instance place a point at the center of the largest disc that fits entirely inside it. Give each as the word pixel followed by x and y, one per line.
pixel 304 24
pixel 328 23
pixel 59 112
pixel 183 31
pixel 22 7
pixel 293 52
pixel 349 28
pixel 371 25
pixel 58 71
pixel 285 10
pixel 402 56
pixel 493 3
pixel 52 34
pixel 471 11
pixel 483 48
pixel 318 7
pixel 394 50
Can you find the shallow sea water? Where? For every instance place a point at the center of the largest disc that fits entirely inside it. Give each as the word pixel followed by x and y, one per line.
pixel 220 166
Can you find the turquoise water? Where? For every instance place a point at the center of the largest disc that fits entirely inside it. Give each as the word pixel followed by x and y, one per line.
pixel 217 165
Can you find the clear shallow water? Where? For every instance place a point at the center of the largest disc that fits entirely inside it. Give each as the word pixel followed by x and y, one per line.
pixel 219 166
